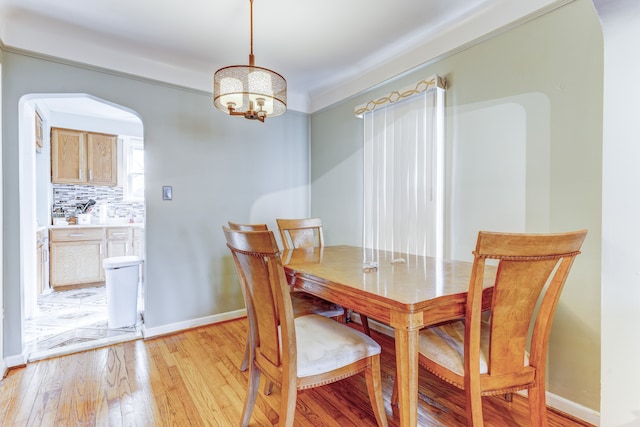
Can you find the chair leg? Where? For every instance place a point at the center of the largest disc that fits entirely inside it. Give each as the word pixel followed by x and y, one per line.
pixel 365 324
pixel 288 395
pixel 374 387
pixel 394 393
pixel 538 405
pixel 474 408
pixel 245 361
pixel 250 401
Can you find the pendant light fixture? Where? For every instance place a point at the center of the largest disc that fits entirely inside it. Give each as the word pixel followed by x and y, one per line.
pixel 246 90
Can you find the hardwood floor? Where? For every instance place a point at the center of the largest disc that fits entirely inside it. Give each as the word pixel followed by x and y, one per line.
pixel 192 379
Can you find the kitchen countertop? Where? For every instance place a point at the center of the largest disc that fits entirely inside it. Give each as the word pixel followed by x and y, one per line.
pixel 107 225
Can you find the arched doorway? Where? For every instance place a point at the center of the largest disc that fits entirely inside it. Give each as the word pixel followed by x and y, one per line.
pixel 57 327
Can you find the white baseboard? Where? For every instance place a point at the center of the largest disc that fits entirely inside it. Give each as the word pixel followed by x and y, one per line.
pixel 553 401
pixel 190 324
pixel 17 360
pixel 568 407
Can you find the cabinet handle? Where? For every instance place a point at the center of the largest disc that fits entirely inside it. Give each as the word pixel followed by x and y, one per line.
pixel 90 174
pixel 76 234
pixel 119 234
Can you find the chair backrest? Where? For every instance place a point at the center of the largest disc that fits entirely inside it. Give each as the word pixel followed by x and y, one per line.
pixel 531 272
pixel 257 259
pixel 301 233
pixel 247 227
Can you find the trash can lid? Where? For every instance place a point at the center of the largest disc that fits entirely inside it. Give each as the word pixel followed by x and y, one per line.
pixel 121 261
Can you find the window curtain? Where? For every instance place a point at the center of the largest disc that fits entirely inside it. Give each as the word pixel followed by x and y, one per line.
pixel 404 171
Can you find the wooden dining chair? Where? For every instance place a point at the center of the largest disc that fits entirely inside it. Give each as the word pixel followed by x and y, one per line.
pixel 307 233
pixel 489 356
pixel 295 353
pixel 302 302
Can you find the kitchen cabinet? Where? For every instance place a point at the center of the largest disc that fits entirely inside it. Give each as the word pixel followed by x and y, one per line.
pixel 102 159
pixel 42 260
pixel 79 157
pixel 119 242
pixel 76 252
pixel 138 242
pixel 76 256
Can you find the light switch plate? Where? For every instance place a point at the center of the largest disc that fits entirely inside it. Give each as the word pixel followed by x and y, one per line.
pixel 167 192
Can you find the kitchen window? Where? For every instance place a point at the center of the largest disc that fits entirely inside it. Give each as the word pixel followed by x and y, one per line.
pixel 134 169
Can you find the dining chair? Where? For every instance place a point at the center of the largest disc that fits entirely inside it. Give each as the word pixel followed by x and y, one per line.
pixel 307 233
pixel 302 302
pixel 295 353
pixel 488 356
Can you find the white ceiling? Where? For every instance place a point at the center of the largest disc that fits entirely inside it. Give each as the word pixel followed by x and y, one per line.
pixel 84 105
pixel 327 50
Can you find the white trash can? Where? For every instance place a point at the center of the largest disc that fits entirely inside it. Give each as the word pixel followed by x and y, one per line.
pixel 122 274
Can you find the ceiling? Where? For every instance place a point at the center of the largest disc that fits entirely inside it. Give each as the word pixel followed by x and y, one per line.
pixel 84 105
pixel 327 50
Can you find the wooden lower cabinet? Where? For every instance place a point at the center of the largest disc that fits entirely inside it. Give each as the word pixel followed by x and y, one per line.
pixel 76 253
pixel 76 256
pixel 119 242
pixel 42 260
pixel 138 242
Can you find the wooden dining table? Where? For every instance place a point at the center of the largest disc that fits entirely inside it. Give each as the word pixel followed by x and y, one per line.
pixel 406 292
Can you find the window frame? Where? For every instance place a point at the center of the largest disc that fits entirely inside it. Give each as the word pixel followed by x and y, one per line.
pixel 131 144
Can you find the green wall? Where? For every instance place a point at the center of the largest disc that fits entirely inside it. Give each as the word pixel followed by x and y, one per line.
pixel 221 169
pixel 529 97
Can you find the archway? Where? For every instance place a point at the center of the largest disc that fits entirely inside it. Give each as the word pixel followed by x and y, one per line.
pixel 71 111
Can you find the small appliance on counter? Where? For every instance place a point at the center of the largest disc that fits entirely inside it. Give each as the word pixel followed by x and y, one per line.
pixel 58 216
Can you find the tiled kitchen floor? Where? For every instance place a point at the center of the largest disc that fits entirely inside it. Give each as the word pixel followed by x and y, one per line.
pixel 72 321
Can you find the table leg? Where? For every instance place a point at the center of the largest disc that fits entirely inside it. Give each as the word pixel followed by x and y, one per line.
pixel 407 375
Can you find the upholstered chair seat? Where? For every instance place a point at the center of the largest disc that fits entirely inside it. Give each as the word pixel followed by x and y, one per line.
pixel 444 345
pixel 324 345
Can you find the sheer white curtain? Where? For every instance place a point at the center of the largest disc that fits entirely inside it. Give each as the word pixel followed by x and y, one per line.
pixel 404 174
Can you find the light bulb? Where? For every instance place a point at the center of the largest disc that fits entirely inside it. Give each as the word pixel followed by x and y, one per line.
pixel 232 90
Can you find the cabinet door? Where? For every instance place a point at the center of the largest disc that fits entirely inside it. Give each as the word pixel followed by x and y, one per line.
pixel 68 156
pixel 40 269
pixel 102 158
pixel 138 242
pixel 118 242
pixel 75 263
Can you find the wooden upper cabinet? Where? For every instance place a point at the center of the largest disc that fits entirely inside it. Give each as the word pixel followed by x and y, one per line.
pixel 79 157
pixel 68 157
pixel 102 156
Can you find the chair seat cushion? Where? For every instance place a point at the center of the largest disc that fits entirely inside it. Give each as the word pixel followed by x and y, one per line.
pixel 324 345
pixel 444 345
pixel 304 303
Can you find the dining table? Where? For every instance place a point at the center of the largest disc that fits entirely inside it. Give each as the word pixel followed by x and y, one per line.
pixel 404 291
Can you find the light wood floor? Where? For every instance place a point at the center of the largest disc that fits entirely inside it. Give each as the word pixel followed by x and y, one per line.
pixel 192 379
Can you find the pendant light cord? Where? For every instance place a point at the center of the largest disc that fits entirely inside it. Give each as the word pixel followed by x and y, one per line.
pixel 251 60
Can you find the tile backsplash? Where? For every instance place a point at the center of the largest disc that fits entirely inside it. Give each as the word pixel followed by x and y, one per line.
pixel 68 196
